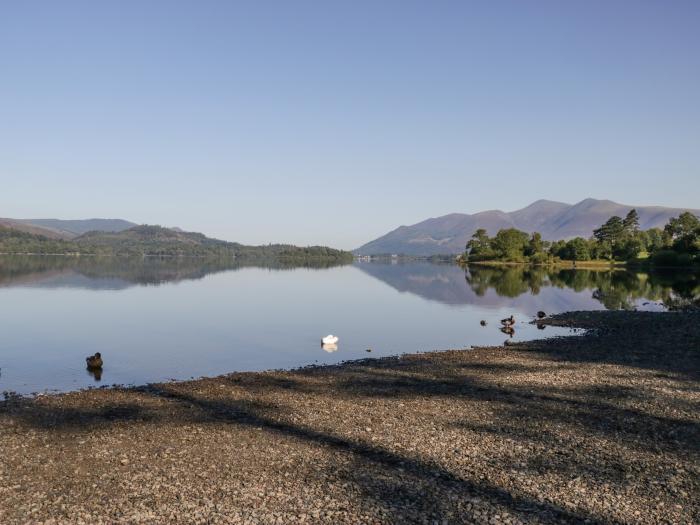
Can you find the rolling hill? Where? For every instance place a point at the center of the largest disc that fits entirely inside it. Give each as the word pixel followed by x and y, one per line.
pixel 74 228
pixel 32 229
pixel 554 220
pixel 66 229
pixel 147 240
pixel 80 226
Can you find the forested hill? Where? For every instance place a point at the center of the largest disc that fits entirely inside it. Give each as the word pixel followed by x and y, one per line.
pixel 149 240
pixel 553 220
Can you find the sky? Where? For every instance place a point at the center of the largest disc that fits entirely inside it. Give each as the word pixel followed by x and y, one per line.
pixel 333 122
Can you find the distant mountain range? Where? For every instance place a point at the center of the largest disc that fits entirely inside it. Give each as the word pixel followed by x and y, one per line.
pixel 66 229
pixel 554 220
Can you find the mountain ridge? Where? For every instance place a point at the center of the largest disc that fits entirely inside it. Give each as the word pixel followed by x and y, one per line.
pixel 66 229
pixel 77 227
pixel 555 220
pixel 21 226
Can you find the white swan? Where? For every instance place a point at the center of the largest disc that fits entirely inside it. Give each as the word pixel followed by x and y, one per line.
pixel 329 340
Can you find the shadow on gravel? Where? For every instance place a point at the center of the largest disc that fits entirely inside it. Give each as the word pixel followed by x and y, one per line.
pixel 67 418
pixel 598 410
pixel 421 484
pixel 666 342
pixel 407 488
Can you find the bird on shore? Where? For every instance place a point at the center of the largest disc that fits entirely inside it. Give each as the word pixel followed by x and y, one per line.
pixel 541 326
pixel 94 361
pixel 541 315
pixel 482 323
pixel 508 321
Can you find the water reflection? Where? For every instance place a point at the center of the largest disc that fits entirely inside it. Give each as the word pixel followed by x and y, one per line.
pixel 116 273
pixel 182 318
pixel 617 289
pixel 612 289
pixel 95 373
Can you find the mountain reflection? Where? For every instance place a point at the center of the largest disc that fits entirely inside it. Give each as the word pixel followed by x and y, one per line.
pixel 539 287
pixel 116 273
pixel 526 288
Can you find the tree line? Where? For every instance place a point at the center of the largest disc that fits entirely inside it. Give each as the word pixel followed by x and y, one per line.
pixel 156 241
pixel 618 239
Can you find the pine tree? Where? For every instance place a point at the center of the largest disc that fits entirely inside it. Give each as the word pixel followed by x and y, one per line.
pixel 630 223
pixel 611 231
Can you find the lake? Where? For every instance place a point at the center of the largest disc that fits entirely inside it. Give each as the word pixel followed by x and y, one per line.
pixel 159 319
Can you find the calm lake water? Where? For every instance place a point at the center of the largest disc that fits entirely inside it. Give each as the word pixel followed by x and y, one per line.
pixel 159 319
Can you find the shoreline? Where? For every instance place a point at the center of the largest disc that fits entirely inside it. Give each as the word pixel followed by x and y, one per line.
pixel 601 426
pixel 561 264
pixel 583 265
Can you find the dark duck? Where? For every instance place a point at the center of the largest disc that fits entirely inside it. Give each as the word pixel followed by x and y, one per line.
pixel 508 321
pixel 94 361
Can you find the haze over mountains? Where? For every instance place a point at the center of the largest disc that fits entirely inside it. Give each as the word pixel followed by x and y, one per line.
pixel 554 220
pixel 66 229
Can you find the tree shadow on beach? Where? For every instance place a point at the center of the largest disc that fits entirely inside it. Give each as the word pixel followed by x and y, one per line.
pixel 422 484
pixel 664 342
pixel 401 484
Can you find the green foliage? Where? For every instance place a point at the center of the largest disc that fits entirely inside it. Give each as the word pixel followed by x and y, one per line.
pixel 617 239
pixel 540 258
pixel 611 232
pixel 294 253
pixel 672 258
pixel 576 250
pixel 684 232
pixel 535 245
pixel 630 224
pixel 15 241
pixel 654 239
pixel 156 241
pixel 601 250
pixel 629 248
pixel 479 246
pixel 510 244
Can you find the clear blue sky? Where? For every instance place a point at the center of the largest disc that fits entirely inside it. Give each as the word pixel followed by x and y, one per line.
pixel 333 122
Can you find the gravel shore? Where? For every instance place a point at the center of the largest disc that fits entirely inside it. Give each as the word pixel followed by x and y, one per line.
pixel 599 428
